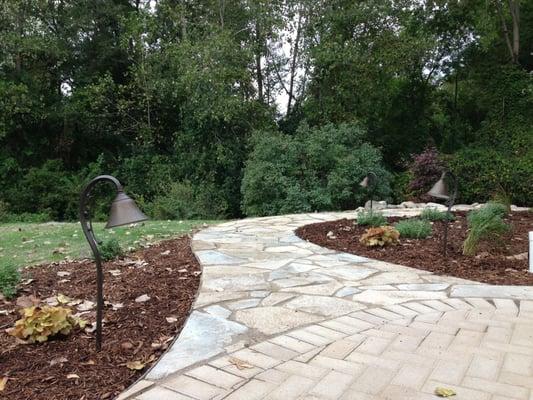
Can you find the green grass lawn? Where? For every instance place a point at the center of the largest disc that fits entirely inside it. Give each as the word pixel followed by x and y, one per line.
pixel 25 244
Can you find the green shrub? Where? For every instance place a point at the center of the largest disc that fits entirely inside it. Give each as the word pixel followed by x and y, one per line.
pixel 414 228
pixel 482 171
pixel 485 224
pixel 431 214
pixel 371 218
pixel 9 277
pixel 111 249
pixel 185 201
pixel 315 169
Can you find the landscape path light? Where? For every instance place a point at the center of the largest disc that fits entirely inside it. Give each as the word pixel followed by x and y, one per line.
pixel 123 211
pixel 440 190
pixel 369 182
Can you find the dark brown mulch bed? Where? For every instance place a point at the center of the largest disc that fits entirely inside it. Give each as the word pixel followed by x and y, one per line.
pixel 493 264
pixel 139 331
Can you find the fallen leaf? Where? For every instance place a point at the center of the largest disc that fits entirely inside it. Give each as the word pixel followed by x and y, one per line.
pixel 182 270
pixel 240 364
pixel 90 362
pixel 171 320
pixel 63 299
pixel 3 383
pixel 86 305
pixel 51 301
pixel 135 365
pixel 59 360
pixel 143 298
pixel 115 272
pixel 62 274
pixel 126 345
pixel 73 376
pixel 59 250
pixel 27 301
pixel 165 253
pixel 444 392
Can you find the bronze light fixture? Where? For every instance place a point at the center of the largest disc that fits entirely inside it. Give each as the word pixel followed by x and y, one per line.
pixel 123 211
pixel 369 182
pixel 440 190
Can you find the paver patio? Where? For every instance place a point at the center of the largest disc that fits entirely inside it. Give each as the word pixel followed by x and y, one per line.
pixel 280 318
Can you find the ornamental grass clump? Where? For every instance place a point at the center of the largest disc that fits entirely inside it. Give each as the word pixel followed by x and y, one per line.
pixel 371 218
pixel 485 224
pixel 414 228
pixel 431 214
pixel 38 324
pixel 380 236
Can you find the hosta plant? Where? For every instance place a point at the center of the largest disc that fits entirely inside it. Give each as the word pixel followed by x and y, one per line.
pixel 38 324
pixel 380 236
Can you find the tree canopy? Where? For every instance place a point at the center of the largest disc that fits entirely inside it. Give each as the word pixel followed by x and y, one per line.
pixel 174 97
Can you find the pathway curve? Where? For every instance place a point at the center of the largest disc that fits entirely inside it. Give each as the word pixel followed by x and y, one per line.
pixel 281 318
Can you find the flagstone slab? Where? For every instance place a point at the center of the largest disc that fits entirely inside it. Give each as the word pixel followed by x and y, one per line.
pixel 203 336
pixel 508 292
pixel 274 320
pixel 323 305
pixel 389 297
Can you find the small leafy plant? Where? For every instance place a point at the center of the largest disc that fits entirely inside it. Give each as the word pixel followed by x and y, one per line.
pixel 414 228
pixel 431 214
pixel 38 324
pixel 111 249
pixel 485 224
pixel 380 236
pixel 371 218
pixel 9 277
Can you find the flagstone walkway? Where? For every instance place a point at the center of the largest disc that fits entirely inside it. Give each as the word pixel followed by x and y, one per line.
pixel 280 318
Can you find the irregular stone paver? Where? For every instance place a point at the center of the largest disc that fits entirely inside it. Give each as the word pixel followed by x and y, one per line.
pixel 277 317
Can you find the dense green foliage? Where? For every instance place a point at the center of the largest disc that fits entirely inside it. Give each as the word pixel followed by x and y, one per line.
pixel 167 96
pixel 9 277
pixel 485 224
pixel 315 169
pixel 371 218
pixel 414 228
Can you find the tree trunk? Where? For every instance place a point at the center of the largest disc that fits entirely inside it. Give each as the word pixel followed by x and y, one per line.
pixel 293 63
pixel 258 68
pixel 514 7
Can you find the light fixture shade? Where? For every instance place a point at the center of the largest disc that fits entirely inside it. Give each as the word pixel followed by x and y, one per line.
pixel 364 182
pixel 440 189
pixel 124 211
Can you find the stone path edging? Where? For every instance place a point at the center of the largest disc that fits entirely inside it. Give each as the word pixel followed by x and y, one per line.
pixel 264 290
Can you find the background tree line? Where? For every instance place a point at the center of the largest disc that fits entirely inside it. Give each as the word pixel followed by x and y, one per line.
pixel 224 108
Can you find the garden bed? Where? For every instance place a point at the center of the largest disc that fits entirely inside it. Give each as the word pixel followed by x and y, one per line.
pixel 135 332
pixel 500 263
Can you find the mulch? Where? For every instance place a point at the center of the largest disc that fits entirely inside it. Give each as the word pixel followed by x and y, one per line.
pixel 69 367
pixel 500 263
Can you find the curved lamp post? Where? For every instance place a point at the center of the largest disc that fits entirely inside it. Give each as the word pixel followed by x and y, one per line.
pixel 370 181
pixel 440 190
pixel 123 211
